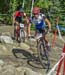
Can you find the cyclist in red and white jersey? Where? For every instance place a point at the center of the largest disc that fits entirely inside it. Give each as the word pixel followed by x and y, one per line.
pixel 17 17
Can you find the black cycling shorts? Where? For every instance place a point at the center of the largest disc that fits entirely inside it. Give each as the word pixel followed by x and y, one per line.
pixel 40 30
pixel 18 19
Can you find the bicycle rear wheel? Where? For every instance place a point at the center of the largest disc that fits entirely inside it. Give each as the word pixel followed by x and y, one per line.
pixel 43 55
pixel 22 36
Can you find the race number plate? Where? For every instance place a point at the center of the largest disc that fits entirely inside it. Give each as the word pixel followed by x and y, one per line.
pixel 21 25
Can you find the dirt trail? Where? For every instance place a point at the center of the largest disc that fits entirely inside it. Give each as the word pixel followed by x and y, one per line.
pixel 24 53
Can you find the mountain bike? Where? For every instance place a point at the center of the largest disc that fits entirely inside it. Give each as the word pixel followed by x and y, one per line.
pixel 41 59
pixel 43 51
pixel 19 34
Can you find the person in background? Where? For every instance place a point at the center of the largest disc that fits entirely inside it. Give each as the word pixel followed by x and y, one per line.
pixel 17 18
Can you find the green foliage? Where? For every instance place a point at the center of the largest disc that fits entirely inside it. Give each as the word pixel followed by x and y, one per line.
pixel 44 4
pixel 52 8
pixel 32 27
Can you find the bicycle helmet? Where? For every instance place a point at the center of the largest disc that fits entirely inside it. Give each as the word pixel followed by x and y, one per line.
pixel 21 9
pixel 36 10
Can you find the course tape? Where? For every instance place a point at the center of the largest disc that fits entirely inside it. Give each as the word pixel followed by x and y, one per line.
pixel 60 34
pixel 52 70
pixel 59 63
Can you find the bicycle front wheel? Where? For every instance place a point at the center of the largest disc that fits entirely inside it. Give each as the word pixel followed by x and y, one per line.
pixel 43 55
pixel 22 36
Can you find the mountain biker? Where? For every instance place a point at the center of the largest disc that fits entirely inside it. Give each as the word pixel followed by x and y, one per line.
pixel 17 20
pixel 39 20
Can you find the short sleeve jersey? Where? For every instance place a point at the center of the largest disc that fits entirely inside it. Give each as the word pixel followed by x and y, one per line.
pixel 39 22
pixel 18 14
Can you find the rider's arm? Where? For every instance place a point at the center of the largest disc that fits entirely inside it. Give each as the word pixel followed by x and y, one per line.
pixel 29 29
pixel 29 25
pixel 48 22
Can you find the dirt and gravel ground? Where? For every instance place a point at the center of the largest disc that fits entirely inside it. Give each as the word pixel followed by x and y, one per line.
pixel 24 52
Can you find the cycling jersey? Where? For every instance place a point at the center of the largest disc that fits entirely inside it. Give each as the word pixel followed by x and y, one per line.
pixel 39 22
pixel 18 16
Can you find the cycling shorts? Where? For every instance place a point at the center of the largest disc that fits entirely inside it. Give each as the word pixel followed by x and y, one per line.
pixel 40 30
pixel 18 19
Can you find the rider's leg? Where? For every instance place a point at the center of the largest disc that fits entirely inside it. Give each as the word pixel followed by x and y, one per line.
pixel 28 30
pixel 14 30
pixel 46 41
pixel 17 30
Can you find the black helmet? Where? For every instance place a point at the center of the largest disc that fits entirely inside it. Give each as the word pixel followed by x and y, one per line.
pixel 21 9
